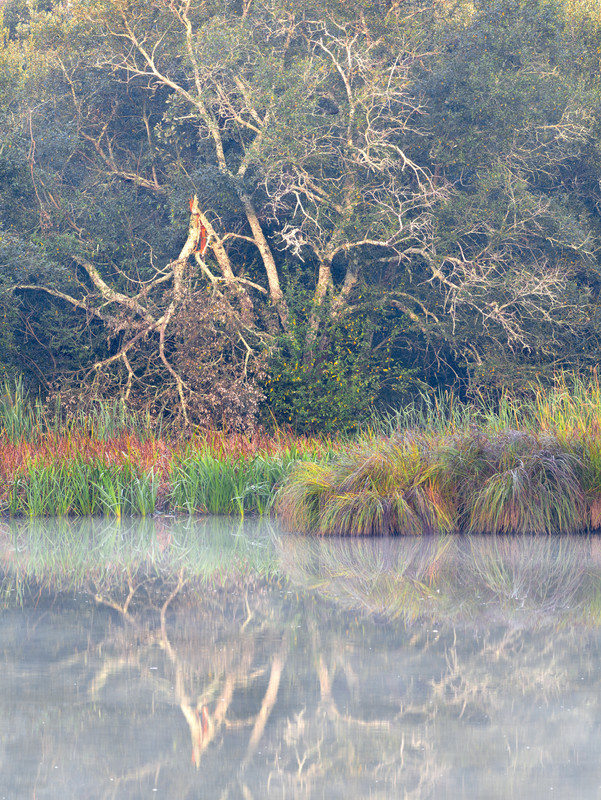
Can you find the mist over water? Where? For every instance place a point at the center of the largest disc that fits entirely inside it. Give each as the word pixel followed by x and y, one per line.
pixel 189 658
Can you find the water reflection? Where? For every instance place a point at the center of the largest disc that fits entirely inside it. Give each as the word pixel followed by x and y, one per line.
pixel 523 581
pixel 198 658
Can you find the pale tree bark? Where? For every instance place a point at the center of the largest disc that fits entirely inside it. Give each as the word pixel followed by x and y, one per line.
pixel 377 196
pixel 141 58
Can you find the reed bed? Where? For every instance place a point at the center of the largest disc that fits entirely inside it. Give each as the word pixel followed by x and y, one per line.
pixel 72 474
pixel 528 465
pixel 129 477
pixel 57 461
pixel 226 485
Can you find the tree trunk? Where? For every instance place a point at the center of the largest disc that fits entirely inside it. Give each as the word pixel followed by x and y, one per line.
pixel 275 290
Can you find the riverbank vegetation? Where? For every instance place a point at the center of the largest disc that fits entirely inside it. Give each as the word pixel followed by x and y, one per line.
pixel 114 462
pixel 250 218
pixel 123 476
pixel 529 465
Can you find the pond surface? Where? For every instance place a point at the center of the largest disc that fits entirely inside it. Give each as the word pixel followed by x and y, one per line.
pixel 207 659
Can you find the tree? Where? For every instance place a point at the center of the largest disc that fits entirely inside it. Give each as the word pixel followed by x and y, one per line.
pixel 390 166
pixel 515 132
pixel 206 108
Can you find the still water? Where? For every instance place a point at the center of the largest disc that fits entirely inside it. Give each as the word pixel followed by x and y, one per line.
pixel 208 659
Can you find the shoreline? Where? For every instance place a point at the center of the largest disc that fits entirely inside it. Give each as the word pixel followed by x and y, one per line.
pixel 526 465
pixel 408 482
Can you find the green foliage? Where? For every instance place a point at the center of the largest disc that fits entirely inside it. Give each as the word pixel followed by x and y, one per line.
pixel 96 162
pixel 202 482
pixel 334 384
pixel 514 128
pixel 81 487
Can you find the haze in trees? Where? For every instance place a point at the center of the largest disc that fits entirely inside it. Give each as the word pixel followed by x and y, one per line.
pixel 392 197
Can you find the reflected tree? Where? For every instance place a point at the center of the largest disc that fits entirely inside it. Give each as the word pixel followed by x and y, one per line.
pixel 190 673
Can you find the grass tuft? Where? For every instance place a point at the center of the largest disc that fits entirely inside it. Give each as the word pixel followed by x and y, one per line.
pixel 378 487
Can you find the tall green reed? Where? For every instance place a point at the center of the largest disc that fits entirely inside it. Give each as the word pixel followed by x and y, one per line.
pixel 201 482
pixel 81 488
pixel 19 418
pixel 23 418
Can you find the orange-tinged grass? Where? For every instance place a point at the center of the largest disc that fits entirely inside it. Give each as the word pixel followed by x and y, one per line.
pixel 22 463
pixel 150 452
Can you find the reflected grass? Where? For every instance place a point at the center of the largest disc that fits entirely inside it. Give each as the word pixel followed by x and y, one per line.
pixel 392 579
pixel 521 581
pixel 541 575
pixel 112 557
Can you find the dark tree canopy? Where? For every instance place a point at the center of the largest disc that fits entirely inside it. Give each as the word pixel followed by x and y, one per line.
pixel 297 212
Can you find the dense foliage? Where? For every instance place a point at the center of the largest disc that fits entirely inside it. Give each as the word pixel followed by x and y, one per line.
pixel 387 198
